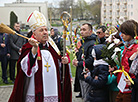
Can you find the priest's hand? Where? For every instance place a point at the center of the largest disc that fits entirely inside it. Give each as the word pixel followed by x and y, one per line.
pixel 34 43
pixel 64 60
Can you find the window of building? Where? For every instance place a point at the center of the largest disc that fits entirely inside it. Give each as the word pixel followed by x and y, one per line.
pixel 113 13
pixel 131 13
pixel 131 6
pixel 117 7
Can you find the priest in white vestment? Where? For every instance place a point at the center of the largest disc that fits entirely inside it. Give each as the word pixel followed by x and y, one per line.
pixel 38 73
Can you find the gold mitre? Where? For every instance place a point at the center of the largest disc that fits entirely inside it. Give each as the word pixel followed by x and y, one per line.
pixel 36 20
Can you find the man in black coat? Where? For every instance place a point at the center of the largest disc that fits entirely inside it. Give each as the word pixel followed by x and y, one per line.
pixel 4 55
pixel 89 40
pixel 16 43
pixel 101 39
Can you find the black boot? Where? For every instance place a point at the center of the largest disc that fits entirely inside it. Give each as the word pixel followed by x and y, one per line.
pixel 79 96
pixel 6 82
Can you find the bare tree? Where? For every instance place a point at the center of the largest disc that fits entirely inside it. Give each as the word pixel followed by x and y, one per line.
pixel 80 9
pixel 96 10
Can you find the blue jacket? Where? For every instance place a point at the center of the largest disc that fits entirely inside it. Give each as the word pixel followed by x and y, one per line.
pixel 102 72
pixel 99 88
pixel 4 38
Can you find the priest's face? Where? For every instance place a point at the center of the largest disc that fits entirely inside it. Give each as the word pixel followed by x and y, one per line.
pixel 41 34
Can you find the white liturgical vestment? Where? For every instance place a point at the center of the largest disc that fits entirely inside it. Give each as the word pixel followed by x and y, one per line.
pixel 50 87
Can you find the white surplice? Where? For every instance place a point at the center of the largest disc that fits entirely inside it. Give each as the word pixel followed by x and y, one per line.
pixel 50 87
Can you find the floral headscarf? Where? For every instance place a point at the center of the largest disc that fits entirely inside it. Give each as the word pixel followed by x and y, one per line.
pixel 134 66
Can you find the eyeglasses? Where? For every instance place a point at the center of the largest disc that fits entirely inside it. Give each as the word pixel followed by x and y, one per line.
pixel 98 32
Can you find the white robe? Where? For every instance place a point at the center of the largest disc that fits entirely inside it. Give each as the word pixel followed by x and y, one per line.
pixel 50 87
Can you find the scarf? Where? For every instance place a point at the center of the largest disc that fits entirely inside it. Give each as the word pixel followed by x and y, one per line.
pixel 127 44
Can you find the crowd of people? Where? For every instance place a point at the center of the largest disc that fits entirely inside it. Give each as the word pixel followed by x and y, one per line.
pixel 109 73
pixel 106 63
pixel 10 49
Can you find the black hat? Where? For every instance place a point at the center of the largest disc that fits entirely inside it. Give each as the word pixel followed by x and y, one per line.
pixel 98 50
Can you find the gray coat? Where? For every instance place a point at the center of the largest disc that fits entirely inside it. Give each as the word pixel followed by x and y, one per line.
pixel 16 42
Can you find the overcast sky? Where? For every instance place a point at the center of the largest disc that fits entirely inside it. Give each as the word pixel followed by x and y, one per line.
pixel 49 1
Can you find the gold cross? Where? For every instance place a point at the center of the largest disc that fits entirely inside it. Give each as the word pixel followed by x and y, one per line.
pixel 47 66
pixel 39 16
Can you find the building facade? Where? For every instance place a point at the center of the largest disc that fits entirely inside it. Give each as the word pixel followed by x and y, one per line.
pixel 22 10
pixel 117 11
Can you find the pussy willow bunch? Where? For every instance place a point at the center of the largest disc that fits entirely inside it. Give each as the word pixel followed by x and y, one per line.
pixel 75 40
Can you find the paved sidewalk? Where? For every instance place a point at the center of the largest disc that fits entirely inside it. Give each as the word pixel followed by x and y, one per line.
pixel 74 94
pixel 5 92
